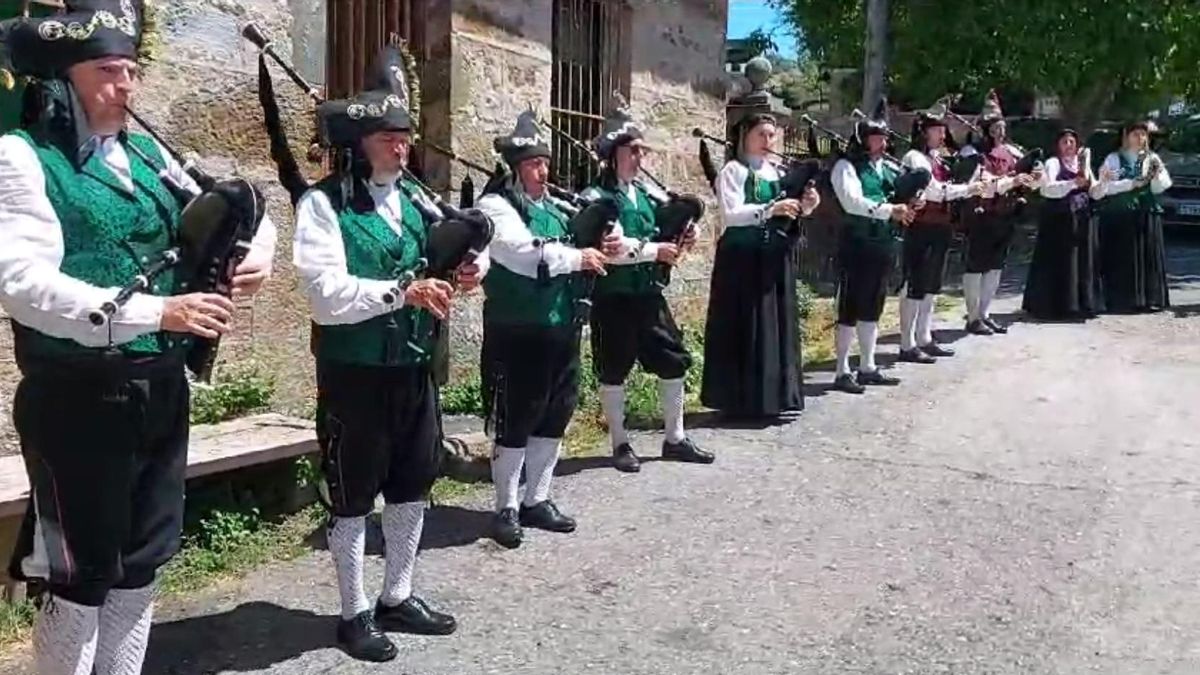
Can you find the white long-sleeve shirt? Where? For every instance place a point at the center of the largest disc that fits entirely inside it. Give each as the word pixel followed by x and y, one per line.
pixel 515 247
pixel 1051 187
pixel 633 251
pixel 936 191
pixel 848 188
pixel 334 295
pixel 1112 163
pixel 34 291
pixel 731 193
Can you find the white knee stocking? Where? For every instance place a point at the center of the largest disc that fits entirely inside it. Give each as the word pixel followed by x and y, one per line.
pixel 347 545
pixel 64 638
pixel 402 525
pixel 540 459
pixel 124 631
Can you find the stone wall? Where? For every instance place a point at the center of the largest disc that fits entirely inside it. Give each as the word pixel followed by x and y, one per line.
pixel 485 61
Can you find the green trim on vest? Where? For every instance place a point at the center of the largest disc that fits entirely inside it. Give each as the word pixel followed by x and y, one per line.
pixel 758 191
pixel 637 221
pixel 374 251
pixel 109 235
pixel 1139 199
pixel 516 300
pixel 877 187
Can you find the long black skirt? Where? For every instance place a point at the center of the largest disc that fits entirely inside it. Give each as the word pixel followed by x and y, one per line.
pixel 1133 262
pixel 752 337
pixel 1062 277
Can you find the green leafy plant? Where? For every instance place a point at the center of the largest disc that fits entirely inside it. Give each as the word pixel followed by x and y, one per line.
pixel 240 391
pixel 464 396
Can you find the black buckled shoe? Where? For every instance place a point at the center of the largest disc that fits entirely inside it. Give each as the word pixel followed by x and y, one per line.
pixel 687 451
pixel 414 616
pixel 848 384
pixel 546 516
pixel 625 459
pixel 996 326
pixel 936 350
pixel 915 355
pixel 506 528
pixel 978 327
pixel 361 638
pixel 876 378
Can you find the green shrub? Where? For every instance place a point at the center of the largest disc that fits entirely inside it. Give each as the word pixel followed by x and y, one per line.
pixel 463 397
pixel 243 389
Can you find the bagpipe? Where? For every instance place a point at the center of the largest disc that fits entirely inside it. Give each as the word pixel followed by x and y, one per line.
pixel 455 237
pixel 675 213
pixel 216 229
pixel 797 175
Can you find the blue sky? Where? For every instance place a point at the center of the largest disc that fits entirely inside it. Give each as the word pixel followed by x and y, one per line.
pixel 746 15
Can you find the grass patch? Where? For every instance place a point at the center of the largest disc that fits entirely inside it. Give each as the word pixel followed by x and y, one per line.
pixel 16 619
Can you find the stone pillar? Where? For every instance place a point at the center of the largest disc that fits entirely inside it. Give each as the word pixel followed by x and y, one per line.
pixel 757 101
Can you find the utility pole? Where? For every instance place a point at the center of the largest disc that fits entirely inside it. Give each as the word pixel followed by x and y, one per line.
pixel 875 58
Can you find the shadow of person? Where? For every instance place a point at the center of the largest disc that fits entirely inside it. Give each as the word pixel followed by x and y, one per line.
pixel 251 637
pixel 446 526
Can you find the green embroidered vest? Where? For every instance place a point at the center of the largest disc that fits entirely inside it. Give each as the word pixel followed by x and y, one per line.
pixel 1138 199
pixel 404 337
pixel 515 299
pixel 877 186
pixel 758 191
pixel 110 236
pixel 637 221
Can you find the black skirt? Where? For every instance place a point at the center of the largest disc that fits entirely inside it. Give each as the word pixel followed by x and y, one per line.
pixel 1062 277
pixel 1133 265
pixel 752 337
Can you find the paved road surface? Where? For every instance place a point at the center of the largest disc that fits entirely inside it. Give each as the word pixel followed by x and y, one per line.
pixel 1029 506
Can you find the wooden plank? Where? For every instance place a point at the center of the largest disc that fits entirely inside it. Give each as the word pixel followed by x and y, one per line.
pixel 213 449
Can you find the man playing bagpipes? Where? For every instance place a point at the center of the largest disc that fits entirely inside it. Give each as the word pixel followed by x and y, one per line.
pixel 532 320
pixel 360 248
pixel 928 239
pixel 991 226
pixel 86 209
pixel 865 181
pixel 631 320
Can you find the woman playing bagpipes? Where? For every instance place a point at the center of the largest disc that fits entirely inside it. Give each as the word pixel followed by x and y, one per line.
pixel 1133 268
pixel 752 366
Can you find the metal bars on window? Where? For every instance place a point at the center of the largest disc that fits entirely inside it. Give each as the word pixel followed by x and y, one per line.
pixel 590 62
pixel 358 29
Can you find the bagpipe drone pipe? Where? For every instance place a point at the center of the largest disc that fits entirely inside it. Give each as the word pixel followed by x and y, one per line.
pixel 216 229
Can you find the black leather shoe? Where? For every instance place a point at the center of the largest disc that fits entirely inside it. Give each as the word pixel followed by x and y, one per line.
pixel 506 529
pixel 848 384
pixel 413 616
pixel 361 638
pixel 625 459
pixel 876 378
pixel 687 451
pixel 934 349
pixel 995 325
pixel 978 327
pixel 915 355
pixel 546 516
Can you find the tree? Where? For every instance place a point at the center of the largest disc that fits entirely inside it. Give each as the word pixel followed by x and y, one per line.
pixel 1102 59
pixel 875 57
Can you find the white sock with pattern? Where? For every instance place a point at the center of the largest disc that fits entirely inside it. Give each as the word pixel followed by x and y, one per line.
pixel 972 287
pixel 612 402
pixel 908 321
pixel 402 524
pixel 671 394
pixel 925 321
pixel 124 632
pixel 540 457
pixel 990 285
pixel 506 475
pixel 868 334
pixel 347 544
pixel 64 637
pixel 843 340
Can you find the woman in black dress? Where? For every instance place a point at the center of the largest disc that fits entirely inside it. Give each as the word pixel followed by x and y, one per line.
pixel 1062 277
pixel 1133 268
pixel 752 342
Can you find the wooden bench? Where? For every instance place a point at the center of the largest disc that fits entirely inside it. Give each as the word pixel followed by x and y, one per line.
pixel 214 448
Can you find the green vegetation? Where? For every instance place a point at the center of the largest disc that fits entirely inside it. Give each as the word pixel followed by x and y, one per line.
pixel 241 390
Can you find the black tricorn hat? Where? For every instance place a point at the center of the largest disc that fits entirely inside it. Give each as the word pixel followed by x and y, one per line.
pixel 875 125
pixel 90 29
pixel 525 142
pixel 385 105
pixel 619 129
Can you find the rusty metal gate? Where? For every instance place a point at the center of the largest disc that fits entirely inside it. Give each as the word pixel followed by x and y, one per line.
pixel 591 61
